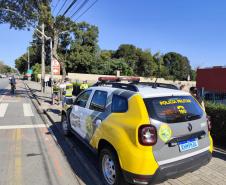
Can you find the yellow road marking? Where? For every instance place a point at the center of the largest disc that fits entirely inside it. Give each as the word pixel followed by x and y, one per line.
pixel 18 162
pixel 11 162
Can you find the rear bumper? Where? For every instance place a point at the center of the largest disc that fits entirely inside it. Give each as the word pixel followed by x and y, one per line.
pixel 171 170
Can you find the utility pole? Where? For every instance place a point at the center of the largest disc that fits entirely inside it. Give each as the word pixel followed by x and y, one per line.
pixel 43 60
pixel 28 59
pixel 28 64
pixel 51 64
pixel 51 57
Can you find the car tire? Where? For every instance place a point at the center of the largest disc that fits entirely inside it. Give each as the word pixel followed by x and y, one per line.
pixel 110 168
pixel 66 128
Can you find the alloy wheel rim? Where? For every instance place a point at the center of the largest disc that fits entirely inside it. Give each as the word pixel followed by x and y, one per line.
pixel 108 168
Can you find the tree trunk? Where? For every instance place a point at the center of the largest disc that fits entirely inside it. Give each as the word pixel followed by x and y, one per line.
pixel 55 55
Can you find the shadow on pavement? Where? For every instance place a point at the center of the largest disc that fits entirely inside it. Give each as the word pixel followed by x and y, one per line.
pixel 18 93
pixel 55 111
pixel 82 160
pixel 220 155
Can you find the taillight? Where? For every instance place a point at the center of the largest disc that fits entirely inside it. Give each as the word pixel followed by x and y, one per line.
pixel 208 123
pixel 147 135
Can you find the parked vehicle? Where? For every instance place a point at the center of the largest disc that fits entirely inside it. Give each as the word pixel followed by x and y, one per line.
pixel 142 132
pixel 2 76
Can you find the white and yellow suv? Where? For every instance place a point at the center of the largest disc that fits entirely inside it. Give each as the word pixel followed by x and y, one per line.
pixel 143 133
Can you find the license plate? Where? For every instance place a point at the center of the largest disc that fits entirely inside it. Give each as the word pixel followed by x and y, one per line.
pixel 188 145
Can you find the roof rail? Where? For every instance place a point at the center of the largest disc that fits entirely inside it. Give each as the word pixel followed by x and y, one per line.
pixel 155 84
pixel 118 79
pixel 130 86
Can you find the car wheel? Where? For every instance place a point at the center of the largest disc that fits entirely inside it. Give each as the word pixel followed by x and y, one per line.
pixel 110 168
pixel 65 126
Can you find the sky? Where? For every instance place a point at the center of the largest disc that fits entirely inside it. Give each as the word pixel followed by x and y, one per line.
pixel 193 28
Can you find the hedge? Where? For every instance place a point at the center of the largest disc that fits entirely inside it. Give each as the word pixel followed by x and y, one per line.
pixel 217 113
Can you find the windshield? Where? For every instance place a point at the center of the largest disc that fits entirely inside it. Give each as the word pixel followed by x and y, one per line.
pixel 173 109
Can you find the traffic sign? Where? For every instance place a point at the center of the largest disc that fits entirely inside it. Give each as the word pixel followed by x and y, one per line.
pixel 30 71
pixel 56 67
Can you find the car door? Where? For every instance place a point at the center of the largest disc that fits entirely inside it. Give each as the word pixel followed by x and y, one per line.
pixel 94 113
pixel 78 111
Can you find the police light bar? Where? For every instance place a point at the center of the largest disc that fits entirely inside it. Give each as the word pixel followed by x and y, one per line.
pixel 109 79
pixel 131 79
pixel 118 79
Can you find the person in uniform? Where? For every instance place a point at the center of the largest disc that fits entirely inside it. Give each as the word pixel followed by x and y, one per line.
pixel 68 90
pixel 194 93
pixel 84 85
pixel 56 89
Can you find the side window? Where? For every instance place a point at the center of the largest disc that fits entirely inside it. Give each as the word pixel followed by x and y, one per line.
pixel 83 98
pixel 119 104
pixel 99 100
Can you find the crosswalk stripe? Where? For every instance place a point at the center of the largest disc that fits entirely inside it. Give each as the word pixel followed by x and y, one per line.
pixel 1 98
pixel 27 110
pixel 3 108
pixel 21 126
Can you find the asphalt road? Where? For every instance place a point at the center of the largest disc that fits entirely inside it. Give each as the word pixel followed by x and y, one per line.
pixel 29 154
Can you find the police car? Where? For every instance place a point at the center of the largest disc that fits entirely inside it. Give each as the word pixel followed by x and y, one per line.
pixel 143 132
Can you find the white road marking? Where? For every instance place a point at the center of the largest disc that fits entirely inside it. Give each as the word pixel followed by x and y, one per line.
pixel 7 127
pixel 27 109
pixel 10 101
pixel 3 108
pixel 2 96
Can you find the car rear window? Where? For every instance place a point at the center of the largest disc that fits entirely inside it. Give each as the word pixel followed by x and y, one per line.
pixel 173 109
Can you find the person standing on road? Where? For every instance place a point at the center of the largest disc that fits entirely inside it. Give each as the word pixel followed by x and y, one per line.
pixel 68 90
pixel 194 93
pixel 12 82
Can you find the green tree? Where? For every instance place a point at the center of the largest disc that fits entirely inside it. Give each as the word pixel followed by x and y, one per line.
pixel 193 75
pixel 19 14
pixel 145 65
pixel 5 68
pixel 82 55
pixel 129 53
pixel 21 64
pixel 178 65
pixel 36 70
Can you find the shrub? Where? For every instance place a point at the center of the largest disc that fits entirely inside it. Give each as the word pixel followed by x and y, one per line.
pixel 217 112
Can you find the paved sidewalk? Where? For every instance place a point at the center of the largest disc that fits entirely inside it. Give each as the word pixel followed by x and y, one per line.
pixel 213 173
pixel 44 100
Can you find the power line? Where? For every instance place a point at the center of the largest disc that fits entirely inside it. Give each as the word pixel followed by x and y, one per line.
pixel 62 7
pixel 69 7
pixel 87 10
pixel 74 7
pixel 81 6
pixel 56 5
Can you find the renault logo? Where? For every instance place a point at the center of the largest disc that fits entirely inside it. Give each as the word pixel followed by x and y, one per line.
pixel 189 127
